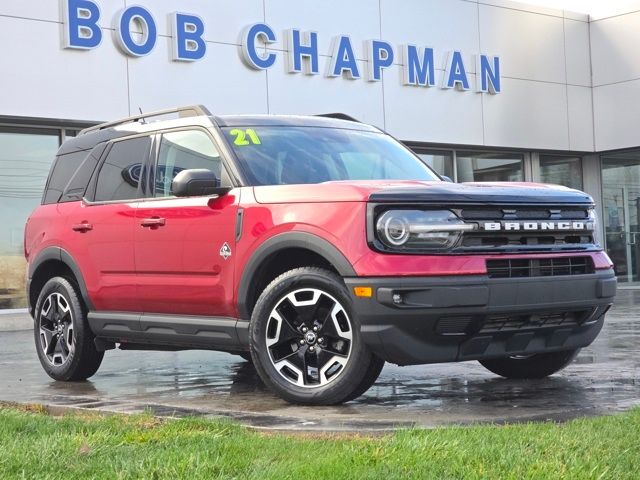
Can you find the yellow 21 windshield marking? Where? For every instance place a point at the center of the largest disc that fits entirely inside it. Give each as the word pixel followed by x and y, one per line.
pixel 245 137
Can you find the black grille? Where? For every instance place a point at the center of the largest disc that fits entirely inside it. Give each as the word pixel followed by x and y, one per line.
pixel 525 213
pixel 545 267
pixel 508 323
pixel 526 239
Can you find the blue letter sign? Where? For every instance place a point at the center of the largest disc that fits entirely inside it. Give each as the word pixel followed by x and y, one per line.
pixel 488 74
pixel 187 32
pixel 81 30
pixel 302 45
pixel 343 60
pixel 379 56
pixel 455 75
pixel 123 31
pixel 418 69
pixel 249 49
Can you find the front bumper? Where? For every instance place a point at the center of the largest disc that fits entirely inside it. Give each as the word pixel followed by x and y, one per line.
pixel 458 318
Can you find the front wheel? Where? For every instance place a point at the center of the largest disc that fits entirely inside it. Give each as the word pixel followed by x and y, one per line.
pixel 305 340
pixel 64 341
pixel 532 366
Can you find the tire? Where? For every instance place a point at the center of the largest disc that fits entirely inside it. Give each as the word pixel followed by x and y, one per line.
pixel 64 341
pixel 376 366
pixel 245 356
pixel 310 305
pixel 531 367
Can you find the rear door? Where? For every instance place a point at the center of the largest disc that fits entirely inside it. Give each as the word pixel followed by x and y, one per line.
pixel 184 247
pixel 102 226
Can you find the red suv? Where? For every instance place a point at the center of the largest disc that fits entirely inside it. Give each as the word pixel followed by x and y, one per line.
pixel 318 248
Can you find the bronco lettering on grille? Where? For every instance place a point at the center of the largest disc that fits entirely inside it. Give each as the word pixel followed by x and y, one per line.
pixel 529 226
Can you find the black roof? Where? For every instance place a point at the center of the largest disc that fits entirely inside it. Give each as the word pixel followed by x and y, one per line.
pixel 91 139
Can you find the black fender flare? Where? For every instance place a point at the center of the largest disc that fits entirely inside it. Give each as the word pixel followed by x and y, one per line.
pixel 60 255
pixel 283 241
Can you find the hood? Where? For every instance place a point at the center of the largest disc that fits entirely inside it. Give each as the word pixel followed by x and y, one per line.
pixel 422 192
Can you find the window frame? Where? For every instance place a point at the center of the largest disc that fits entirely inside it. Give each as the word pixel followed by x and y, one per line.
pixel 90 195
pixel 152 163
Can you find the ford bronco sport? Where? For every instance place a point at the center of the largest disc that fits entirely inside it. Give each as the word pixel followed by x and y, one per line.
pixel 318 248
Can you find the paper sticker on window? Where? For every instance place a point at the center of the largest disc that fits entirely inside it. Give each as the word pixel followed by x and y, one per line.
pixel 245 137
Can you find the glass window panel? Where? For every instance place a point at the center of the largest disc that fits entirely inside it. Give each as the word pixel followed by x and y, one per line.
pixel 440 161
pixel 621 208
pixel 490 167
pixel 561 170
pixel 186 150
pixel 120 173
pixel 25 158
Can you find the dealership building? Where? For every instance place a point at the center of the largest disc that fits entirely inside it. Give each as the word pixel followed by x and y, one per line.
pixel 486 90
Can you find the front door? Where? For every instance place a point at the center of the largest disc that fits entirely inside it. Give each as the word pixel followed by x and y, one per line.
pixel 621 198
pixel 184 247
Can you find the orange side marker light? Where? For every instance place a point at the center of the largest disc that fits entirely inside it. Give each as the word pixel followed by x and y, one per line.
pixel 365 292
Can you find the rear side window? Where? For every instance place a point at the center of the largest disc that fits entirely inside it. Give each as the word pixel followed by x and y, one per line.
pixel 77 186
pixel 119 175
pixel 186 150
pixel 63 169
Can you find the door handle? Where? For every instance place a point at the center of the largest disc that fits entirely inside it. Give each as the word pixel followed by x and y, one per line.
pixel 153 222
pixel 82 227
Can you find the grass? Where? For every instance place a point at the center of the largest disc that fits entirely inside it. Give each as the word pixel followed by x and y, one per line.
pixel 36 445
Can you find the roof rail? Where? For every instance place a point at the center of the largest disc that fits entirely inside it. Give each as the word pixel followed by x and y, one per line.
pixel 339 116
pixel 183 112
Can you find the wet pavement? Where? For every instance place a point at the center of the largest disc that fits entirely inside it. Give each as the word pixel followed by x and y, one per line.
pixel 605 378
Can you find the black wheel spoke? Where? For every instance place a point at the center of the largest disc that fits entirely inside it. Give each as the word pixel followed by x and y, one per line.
pixel 337 347
pixel 282 351
pixel 299 360
pixel 48 317
pixel 287 332
pixel 328 328
pixel 288 313
pixel 323 357
pixel 48 336
pixel 52 346
pixel 64 346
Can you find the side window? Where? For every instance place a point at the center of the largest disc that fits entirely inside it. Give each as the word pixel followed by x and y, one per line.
pixel 64 168
pixel 120 173
pixel 186 150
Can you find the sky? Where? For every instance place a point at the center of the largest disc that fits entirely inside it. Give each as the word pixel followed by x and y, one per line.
pixel 596 8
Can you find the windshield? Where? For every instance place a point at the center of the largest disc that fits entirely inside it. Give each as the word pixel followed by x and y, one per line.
pixel 274 155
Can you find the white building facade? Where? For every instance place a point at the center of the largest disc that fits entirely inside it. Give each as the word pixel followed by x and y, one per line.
pixel 482 90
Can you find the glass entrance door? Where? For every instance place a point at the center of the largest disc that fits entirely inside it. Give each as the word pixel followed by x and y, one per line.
pixel 621 198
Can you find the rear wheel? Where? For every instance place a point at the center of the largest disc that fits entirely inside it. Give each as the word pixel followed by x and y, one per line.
pixel 305 340
pixel 532 366
pixel 64 341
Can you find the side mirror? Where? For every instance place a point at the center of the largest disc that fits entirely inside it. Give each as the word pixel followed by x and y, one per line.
pixel 197 183
pixel 446 179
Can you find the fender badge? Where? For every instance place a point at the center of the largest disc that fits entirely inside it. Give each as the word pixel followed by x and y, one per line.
pixel 225 251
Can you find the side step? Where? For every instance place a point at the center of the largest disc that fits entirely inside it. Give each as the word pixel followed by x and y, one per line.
pixel 152 331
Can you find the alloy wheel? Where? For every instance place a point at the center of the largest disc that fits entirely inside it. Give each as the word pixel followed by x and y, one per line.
pixel 309 336
pixel 56 331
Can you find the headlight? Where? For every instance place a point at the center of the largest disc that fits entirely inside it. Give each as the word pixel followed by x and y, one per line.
pixel 420 229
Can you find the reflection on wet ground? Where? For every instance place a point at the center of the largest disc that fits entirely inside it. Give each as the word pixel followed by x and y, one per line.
pixel 605 378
